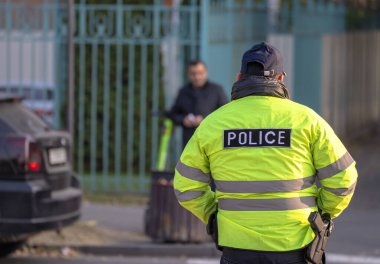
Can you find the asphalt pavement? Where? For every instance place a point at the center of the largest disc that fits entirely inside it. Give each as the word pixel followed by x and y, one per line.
pixel 357 229
pixel 114 217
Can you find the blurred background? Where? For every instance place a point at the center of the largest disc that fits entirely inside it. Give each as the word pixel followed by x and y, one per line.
pixel 104 70
pixel 107 70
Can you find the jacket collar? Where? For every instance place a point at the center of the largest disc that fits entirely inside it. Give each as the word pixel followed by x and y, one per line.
pixel 256 85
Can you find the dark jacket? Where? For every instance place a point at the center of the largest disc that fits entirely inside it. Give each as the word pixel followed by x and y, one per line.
pixel 201 101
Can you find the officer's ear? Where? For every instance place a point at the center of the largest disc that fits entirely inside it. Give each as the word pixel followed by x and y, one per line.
pixel 239 76
pixel 281 77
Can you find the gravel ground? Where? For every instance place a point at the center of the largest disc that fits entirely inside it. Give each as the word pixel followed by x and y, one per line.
pixel 95 228
pixel 85 233
pixel 82 233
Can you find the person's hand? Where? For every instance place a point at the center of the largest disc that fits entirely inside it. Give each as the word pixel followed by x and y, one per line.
pixel 192 121
pixel 189 121
pixel 198 120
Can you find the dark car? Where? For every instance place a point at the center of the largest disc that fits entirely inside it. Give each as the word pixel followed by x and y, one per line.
pixel 38 190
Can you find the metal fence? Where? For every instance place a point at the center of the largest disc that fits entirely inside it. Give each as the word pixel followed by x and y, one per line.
pixel 128 58
pixel 129 63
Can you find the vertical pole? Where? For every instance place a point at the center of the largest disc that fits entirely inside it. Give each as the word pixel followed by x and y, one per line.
pixel 106 113
pixel 230 43
pixel 131 107
pixel 143 123
pixel 155 74
pixel 57 55
pixel 8 25
pixel 119 93
pixel 194 53
pixel 82 87
pixel 93 122
pixel 204 14
pixel 70 69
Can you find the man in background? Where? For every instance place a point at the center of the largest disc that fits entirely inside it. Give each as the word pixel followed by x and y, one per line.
pixel 196 99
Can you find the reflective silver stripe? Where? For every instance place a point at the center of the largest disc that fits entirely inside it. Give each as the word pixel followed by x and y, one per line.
pixel 340 165
pixel 341 191
pixel 192 173
pixel 187 195
pixel 264 186
pixel 278 204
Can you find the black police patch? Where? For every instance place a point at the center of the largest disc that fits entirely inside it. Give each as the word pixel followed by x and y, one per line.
pixel 253 138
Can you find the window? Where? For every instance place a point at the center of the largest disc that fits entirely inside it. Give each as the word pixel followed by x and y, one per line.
pixel 21 119
pixel 5 128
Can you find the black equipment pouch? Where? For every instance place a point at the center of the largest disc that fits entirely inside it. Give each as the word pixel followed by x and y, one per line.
pixel 322 227
pixel 212 229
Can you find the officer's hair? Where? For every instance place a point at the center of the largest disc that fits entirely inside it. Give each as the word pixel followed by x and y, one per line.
pixel 195 62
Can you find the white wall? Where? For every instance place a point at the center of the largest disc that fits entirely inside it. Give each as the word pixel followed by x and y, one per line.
pixel 351 82
pixel 27 57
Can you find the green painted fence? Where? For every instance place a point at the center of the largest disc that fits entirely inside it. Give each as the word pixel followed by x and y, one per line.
pixel 129 61
pixel 124 63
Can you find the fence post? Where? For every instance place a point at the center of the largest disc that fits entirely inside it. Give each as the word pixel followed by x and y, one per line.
pixel 204 38
pixel 70 69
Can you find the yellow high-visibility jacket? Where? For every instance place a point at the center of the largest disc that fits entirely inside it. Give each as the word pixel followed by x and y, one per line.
pixel 264 154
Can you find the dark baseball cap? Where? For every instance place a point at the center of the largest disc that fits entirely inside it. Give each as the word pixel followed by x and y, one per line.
pixel 266 55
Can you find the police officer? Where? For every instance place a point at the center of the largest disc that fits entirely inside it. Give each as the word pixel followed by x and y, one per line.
pixel 265 153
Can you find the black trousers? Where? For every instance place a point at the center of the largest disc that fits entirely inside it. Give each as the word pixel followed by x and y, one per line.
pixel 239 256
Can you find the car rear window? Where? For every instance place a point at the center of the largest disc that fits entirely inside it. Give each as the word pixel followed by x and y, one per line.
pixel 5 128
pixel 33 93
pixel 21 119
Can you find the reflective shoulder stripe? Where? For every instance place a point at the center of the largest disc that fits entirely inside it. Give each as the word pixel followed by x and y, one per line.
pixel 341 191
pixel 334 168
pixel 264 186
pixel 279 204
pixel 192 173
pixel 187 195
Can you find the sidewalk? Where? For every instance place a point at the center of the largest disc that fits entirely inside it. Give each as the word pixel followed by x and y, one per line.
pixel 114 230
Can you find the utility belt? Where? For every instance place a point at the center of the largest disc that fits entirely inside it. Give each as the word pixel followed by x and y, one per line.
pixel 212 229
pixel 315 252
pixel 322 227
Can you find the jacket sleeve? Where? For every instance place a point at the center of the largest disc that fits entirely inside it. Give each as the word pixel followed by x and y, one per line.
pixel 191 180
pixel 176 114
pixel 335 169
pixel 222 98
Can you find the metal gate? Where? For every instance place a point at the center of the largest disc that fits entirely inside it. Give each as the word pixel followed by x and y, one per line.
pixel 128 66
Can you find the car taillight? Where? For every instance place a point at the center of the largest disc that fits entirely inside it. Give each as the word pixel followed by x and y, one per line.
pixel 23 153
pixel 34 166
pixel 33 157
